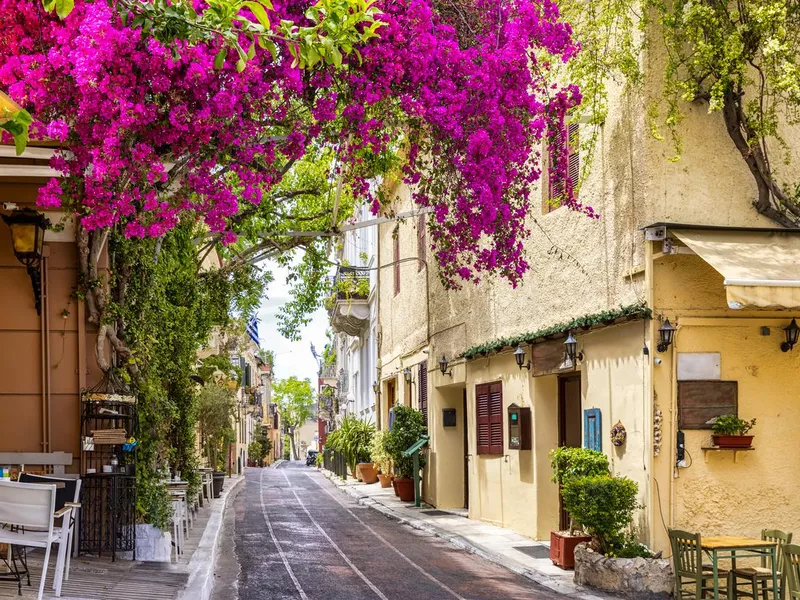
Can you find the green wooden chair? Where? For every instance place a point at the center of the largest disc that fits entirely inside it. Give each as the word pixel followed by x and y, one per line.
pixel 761 577
pixel 791 572
pixel 687 562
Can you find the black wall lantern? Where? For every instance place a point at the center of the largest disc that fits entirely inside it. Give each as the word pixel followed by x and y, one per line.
pixel 27 236
pixel 666 333
pixel 519 356
pixel 443 367
pixel 792 331
pixel 571 348
pixel 375 387
pixel 407 374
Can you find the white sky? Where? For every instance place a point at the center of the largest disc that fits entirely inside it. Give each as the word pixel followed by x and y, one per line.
pixel 291 358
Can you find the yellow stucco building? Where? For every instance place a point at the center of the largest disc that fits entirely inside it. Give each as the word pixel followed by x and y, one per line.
pixel 611 282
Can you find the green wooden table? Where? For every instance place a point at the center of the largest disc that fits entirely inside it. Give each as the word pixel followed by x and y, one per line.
pixel 733 547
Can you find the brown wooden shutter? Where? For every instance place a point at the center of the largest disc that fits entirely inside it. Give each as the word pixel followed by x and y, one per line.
pixel 423 390
pixel 557 186
pixel 396 262
pixel 422 249
pixel 574 154
pixel 489 413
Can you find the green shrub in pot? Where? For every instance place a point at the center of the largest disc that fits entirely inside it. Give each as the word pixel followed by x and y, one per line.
pixel 731 425
pixel 380 451
pixel 409 426
pixel 353 439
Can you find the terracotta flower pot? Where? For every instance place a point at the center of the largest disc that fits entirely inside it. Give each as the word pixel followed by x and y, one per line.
pixel 386 480
pixel 562 548
pixel 394 486
pixel 369 474
pixel 404 486
pixel 733 441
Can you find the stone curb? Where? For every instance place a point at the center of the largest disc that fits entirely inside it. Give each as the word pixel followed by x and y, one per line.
pixel 201 566
pixel 464 544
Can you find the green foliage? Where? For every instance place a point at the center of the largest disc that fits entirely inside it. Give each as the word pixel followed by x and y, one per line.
pixel 630 547
pixel 256 451
pixel 215 410
pixel 294 397
pixel 603 506
pixel 631 312
pixel 571 463
pixel 319 460
pixel 731 425
pixel 286 445
pixel 18 124
pixel 380 451
pixel 353 439
pixel 409 426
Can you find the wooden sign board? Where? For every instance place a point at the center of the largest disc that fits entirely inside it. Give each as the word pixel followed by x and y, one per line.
pixel 548 358
pixel 701 401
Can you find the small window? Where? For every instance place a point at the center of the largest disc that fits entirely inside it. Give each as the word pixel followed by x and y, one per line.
pixel 489 417
pixel 554 188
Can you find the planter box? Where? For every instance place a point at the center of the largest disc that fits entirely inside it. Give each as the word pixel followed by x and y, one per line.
pixel 368 472
pixel 404 487
pixel 732 441
pixel 152 544
pixel 562 548
pixel 637 578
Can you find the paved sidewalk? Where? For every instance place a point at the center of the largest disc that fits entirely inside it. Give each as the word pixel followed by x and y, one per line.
pixel 518 553
pixel 97 578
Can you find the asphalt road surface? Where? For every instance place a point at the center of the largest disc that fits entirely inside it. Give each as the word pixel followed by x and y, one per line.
pixel 293 535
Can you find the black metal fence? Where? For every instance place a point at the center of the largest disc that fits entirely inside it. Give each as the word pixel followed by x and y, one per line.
pixel 334 461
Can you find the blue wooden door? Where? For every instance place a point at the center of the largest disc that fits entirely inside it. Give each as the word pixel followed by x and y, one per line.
pixel 592 429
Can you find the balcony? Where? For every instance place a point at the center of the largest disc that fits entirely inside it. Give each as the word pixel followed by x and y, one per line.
pixel 349 304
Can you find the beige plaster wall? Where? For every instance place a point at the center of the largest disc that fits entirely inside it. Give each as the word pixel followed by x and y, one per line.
pixel 721 493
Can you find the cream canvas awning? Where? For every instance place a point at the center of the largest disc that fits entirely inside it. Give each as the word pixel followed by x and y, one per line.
pixel 761 268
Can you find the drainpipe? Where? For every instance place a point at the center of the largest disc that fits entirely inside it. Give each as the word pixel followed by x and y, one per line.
pixel 378 332
pixel 48 374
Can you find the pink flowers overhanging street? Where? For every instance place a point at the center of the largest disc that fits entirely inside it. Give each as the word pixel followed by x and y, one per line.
pixel 152 134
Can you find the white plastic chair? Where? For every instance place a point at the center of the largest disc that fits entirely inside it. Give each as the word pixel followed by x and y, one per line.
pixel 177 526
pixel 75 503
pixel 26 508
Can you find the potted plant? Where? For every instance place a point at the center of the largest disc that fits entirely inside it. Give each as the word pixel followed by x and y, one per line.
pixel 354 440
pixel 409 426
pixel 381 457
pixel 570 464
pixel 729 431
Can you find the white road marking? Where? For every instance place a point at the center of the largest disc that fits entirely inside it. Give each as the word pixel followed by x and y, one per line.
pixel 275 539
pixel 386 542
pixel 363 577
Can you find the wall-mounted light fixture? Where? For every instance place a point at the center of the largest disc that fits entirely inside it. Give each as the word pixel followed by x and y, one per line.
pixel 792 331
pixel 519 356
pixel 27 236
pixel 407 374
pixel 571 348
pixel 666 334
pixel 375 387
pixel 443 366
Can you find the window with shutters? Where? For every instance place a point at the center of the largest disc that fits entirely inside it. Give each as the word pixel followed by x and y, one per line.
pixel 556 187
pixel 396 253
pixel 421 242
pixel 423 390
pixel 489 417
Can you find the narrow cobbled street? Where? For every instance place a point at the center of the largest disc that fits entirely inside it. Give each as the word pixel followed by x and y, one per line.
pixel 295 535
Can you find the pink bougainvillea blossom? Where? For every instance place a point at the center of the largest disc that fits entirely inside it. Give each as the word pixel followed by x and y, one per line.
pixel 153 134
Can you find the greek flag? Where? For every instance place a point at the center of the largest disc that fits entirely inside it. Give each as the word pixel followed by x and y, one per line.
pixel 252 329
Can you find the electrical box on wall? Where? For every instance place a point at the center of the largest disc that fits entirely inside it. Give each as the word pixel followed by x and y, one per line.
pixel 519 428
pixel 449 417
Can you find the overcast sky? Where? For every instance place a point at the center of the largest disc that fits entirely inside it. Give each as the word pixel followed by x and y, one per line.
pixel 291 358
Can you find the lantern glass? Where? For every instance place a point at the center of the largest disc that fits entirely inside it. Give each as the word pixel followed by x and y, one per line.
pixel 666 334
pixel 571 347
pixel 407 374
pixel 443 365
pixel 27 235
pixel 519 356
pixel 23 236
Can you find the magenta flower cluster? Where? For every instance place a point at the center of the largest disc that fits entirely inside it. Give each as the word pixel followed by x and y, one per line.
pixel 152 134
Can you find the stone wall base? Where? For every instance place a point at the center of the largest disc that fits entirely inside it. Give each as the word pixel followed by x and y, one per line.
pixel 152 544
pixel 639 578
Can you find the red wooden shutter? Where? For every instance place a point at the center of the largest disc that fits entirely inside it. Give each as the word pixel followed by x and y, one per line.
pixel 489 413
pixel 482 419
pixel 423 390
pixel 396 262
pixel 556 185
pixel 421 242
pixel 496 417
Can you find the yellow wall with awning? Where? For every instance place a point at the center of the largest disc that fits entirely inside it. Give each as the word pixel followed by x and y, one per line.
pixel 761 268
